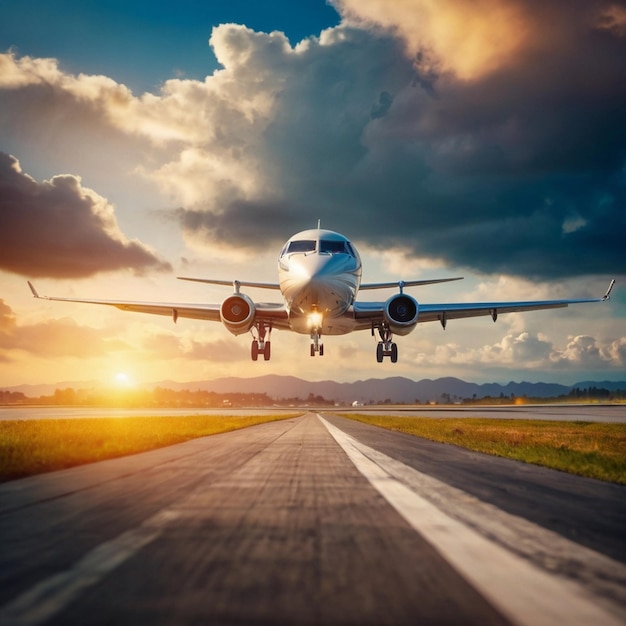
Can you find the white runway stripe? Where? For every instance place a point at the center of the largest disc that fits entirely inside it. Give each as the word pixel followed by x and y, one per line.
pixel 526 594
pixel 53 594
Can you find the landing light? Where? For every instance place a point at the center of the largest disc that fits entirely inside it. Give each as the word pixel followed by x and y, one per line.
pixel 315 319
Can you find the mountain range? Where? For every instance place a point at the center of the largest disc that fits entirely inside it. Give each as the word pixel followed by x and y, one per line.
pixel 394 389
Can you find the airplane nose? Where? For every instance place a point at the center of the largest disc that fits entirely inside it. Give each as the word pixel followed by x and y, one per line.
pixel 321 282
pixel 311 268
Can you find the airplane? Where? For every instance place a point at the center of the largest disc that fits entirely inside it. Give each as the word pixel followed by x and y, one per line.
pixel 319 277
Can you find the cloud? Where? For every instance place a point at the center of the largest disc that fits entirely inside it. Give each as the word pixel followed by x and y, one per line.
pixel 467 39
pixel 515 171
pixel 58 228
pixel 164 346
pixel 54 338
pixel 535 351
pixel 584 351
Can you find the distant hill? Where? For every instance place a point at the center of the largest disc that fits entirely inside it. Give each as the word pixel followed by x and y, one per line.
pixel 394 389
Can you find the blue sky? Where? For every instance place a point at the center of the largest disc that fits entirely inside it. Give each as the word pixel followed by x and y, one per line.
pixel 143 43
pixel 144 140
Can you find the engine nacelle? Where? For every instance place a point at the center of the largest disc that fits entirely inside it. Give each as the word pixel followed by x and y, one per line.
pixel 401 312
pixel 237 313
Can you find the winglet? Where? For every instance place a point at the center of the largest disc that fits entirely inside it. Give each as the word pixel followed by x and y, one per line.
pixel 607 295
pixel 32 288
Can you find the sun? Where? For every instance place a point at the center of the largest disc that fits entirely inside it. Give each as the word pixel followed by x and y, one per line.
pixel 122 379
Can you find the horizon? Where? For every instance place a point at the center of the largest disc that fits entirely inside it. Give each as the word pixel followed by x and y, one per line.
pixel 116 384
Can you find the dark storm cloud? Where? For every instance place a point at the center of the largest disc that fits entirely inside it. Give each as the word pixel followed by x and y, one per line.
pixel 60 229
pixel 520 168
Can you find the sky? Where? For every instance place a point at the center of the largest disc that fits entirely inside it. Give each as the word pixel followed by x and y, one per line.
pixel 140 141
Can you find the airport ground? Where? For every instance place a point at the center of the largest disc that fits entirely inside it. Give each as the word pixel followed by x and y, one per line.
pixel 312 520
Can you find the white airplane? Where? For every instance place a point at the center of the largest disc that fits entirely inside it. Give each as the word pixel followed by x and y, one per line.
pixel 319 274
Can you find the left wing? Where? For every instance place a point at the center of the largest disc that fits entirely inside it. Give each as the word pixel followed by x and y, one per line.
pixel 373 311
pixel 210 312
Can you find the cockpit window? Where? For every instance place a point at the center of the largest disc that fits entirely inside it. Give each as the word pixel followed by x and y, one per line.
pixel 303 245
pixel 333 247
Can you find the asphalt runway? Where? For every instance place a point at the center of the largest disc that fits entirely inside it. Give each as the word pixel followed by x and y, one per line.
pixel 312 520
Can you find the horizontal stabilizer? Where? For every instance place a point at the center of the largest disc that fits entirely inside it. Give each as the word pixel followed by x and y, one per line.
pixel 408 283
pixel 230 283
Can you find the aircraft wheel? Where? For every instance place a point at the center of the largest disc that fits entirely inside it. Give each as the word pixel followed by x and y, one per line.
pixel 321 349
pixel 394 353
pixel 312 350
pixel 379 352
pixel 254 350
pixel 267 351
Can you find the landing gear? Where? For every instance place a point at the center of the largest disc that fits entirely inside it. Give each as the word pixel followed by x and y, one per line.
pixel 316 344
pixel 261 341
pixel 386 347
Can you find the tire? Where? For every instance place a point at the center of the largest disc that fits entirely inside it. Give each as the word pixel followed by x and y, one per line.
pixel 394 353
pixel 267 351
pixel 254 350
pixel 379 352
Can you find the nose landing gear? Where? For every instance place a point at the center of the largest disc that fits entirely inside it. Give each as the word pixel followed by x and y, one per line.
pixel 316 344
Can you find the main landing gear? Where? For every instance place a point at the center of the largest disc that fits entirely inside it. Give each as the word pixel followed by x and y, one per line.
pixel 386 347
pixel 261 341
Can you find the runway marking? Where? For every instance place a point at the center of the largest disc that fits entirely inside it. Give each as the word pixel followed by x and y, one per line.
pixel 53 594
pixel 526 594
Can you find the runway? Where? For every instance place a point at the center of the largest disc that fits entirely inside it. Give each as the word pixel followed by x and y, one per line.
pixel 312 520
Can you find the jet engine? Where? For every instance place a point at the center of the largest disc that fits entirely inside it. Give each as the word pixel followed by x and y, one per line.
pixel 237 313
pixel 400 312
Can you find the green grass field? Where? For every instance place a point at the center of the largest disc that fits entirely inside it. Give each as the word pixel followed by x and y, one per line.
pixel 30 447
pixel 592 449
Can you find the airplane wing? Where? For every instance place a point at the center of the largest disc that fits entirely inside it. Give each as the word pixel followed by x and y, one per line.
pixel 276 313
pixel 372 312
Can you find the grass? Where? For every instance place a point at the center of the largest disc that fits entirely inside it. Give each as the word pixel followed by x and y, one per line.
pixel 592 449
pixel 29 447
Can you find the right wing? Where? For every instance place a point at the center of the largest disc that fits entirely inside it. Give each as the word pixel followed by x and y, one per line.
pixel 368 313
pixel 276 313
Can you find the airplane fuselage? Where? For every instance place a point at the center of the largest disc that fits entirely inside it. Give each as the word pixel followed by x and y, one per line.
pixel 319 273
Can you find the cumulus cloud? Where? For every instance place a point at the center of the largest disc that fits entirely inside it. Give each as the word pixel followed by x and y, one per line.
pixel 490 137
pixel 585 351
pixel 468 39
pixel 58 228
pixel 534 350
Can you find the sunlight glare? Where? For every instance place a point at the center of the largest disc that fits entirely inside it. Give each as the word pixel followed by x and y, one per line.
pixel 122 379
